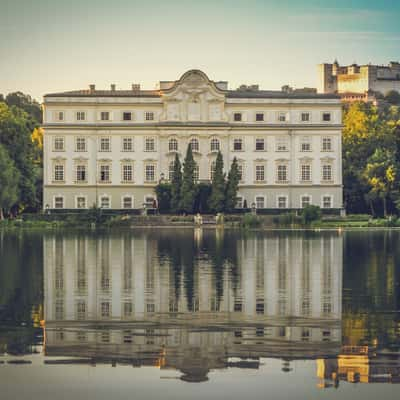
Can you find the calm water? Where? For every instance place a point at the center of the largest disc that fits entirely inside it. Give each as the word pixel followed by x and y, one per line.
pixel 184 314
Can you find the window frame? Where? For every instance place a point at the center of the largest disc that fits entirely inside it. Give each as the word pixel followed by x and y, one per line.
pixel 124 141
pixel 102 140
pixel 55 140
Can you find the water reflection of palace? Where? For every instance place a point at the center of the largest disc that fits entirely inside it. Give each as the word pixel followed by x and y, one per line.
pixel 192 304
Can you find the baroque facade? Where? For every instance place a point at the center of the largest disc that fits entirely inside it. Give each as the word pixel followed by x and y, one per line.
pixel 110 148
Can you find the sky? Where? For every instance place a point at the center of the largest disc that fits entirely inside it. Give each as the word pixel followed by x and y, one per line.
pixel 52 45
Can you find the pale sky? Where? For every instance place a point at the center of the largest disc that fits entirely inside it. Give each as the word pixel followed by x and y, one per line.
pixel 52 45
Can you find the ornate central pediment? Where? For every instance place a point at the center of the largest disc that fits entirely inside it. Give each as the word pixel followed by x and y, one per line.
pixel 193 98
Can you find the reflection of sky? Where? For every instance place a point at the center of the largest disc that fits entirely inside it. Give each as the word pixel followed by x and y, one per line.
pixel 105 382
pixel 62 45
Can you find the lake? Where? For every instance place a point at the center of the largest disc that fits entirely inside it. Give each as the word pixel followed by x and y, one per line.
pixel 195 314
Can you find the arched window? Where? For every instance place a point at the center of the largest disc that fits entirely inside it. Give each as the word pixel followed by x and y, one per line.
pixel 173 145
pixel 194 143
pixel 214 144
pixel 171 169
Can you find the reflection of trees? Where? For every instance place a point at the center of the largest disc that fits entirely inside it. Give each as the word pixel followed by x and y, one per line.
pixel 186 256
pixel 21 275
pixel 21 290
pixel 371 295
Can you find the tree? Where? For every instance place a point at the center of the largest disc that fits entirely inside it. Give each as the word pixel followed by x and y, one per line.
pixel 15 135
pixel 188 189
pixel 380 174
pixel 393 97
pixel 9 178
pixel 366 128
pixel 26 103
pixel 163 192
pixel 176 185
pixel 217 198
pixel 232 186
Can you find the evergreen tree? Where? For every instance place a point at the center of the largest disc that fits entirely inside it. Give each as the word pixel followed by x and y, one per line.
pixel 217 198
pixel 9 179
pixel 176 185
pixel 188 190
pixel 232 186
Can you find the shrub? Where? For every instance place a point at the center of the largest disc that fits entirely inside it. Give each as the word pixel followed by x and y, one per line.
pixel 287 219
pixel 250 221
pixel 310 214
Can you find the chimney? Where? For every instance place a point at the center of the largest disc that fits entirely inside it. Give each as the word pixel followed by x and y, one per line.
pixel 92 88
pixel 135 87
pixel 113 87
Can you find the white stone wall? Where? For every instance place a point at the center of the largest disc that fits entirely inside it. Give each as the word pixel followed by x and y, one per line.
pixel 214 118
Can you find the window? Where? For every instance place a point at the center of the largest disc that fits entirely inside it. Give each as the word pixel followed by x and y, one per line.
pixel 282 202
pixel 305 144
pixel 214 144
pixel 127 173
pixel 305 201
pixel 239 202
pixel 305 117
pixel 326 144
pixel 81 175
pixel 58 202
pixel 149 116
pixel 260 173
pixel 149 144
pixel 105 309
pixel 305 172
pixel 127 202
pixel 105 116
pixel 80 116
pixel 127 116
pixel 327 173
pixel 59 115
pixel 260 144
pixel 237 144
pixel 195 144
pixel 105 144
pixel 81 202
pixel 80 144
pixel 259 117
pixel 59 172
pixel 128 309
pixel 104 174
pixel 196 173
pixel 127 144
pixel 212 170
pixel 326 202
pixel 281 173
pixel 282 117
pixel 282 144
pixel 173 145
pixel 237 117
pixel 104 202
pixel 260 202
pixel 150 173
pixel 326 116
pixel 58 144
pixel 240 172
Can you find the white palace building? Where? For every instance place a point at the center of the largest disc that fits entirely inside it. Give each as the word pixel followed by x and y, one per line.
pixel 110 148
